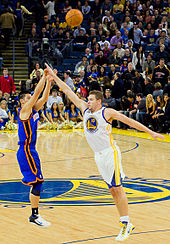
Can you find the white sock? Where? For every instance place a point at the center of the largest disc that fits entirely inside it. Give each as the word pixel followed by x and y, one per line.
pixel 124 219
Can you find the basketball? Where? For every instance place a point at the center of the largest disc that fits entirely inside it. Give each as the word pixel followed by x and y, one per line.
pixel 74 17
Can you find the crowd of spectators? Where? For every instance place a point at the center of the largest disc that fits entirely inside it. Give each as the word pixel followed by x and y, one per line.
pixel 122 49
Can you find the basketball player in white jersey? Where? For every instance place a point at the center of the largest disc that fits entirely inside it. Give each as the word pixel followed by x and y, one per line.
pixel 97 128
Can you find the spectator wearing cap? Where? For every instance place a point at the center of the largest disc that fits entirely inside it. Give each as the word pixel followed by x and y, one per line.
pixel 124 66
pixel 68 80
pixel 102 42
pixel 54 98
pixel 114 40
pixel 161 73
pixel 109 101
pixel 165 39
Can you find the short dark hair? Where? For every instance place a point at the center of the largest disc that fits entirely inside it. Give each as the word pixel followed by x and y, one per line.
pixel 98 95
pixel 139 95
pixel 23 94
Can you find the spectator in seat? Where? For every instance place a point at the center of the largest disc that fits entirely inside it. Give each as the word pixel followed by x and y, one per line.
pixel 6 83
pixel 120 50
pixel 158 90
pixel 101 59
pixel 148 65
pixel 162 53
pixel 148 88
pixel 138 59
pixel 109 101
pixel 117 86
pixel 3 114
pixel 53 98
pixel 37 68
pixel 114 40
pixel 102 42
pixel 167 87
pixel 161 73
pixel 86 8
pixel 114 59
pixel 68 80
pixel 81 65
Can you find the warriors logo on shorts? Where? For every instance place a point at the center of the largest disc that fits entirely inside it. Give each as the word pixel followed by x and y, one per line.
pixel 91 124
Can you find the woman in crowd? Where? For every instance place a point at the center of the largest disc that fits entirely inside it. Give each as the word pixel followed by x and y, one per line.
pixel 3 114
pixel 62 112
pixel 53 114
pixel 150 109
pixel 138 59
pixel 37 68
pixel 73 114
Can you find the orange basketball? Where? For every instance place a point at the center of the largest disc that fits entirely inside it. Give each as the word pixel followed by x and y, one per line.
pixel 74 17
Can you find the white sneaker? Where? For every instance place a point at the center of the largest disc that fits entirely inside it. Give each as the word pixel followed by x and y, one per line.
pixel 125 231
pixel 38 220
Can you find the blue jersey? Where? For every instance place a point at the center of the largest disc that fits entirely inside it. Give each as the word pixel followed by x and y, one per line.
pixel 27 129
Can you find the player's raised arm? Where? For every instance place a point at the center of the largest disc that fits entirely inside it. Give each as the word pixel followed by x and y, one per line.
pixel 66 89
pixel 33 99
pixel 111 114
pixel 40 102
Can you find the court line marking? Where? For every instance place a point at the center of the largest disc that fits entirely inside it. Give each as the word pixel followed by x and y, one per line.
pixel 105 237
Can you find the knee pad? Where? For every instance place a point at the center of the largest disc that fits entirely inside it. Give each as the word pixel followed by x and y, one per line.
pixel 36 189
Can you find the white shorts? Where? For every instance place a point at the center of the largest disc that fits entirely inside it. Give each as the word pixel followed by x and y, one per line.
pixel 109 165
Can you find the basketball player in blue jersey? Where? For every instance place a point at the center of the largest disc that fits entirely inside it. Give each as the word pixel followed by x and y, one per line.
pixel 97 128
pixel 27 155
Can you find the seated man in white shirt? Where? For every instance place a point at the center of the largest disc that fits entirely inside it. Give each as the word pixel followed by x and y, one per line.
pixel 53 98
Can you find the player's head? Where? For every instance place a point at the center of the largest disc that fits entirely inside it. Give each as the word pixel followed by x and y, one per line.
pixel 95 100
pixel 24 97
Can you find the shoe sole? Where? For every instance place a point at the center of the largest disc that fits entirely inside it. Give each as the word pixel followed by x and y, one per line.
pixel 42 226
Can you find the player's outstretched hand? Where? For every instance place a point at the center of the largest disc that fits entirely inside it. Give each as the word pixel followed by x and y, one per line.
pixel 50 71
pixel 156 135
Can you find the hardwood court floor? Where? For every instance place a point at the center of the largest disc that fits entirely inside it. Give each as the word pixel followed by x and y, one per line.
pixel 75 199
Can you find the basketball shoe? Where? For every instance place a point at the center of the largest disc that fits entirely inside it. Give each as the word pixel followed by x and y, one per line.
pixel 38 220
pixel 125 231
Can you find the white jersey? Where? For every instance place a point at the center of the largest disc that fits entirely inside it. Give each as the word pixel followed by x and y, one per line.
pixel 97 130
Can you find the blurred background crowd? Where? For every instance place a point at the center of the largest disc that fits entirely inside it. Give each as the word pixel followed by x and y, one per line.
pixel 121 48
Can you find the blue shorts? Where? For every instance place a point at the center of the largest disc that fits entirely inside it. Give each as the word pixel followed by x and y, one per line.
pixel 29 163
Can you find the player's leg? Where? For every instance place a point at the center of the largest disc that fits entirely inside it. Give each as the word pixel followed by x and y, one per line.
pixel 120 199
pixel 121 202
pixel 34 200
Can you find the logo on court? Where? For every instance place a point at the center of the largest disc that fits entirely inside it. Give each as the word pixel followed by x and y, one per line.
pixel 91 124
pixel 92 191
